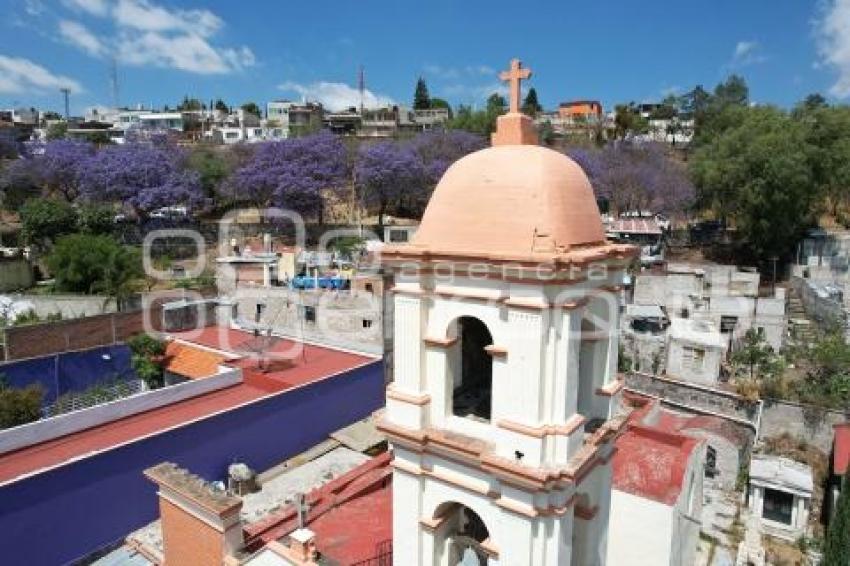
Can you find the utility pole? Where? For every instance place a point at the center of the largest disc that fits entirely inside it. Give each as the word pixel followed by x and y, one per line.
pixel 67 92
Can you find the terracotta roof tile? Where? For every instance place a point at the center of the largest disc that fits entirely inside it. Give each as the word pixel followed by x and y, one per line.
pixel 190 361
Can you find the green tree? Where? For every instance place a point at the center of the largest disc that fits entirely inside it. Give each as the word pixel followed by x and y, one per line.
pixel 98 138
pixel 211 167
pixel 836 550
pixel 496 104
pixel 441 103
pixel 421 98
pixel 479 121
pixel 95 219
pixel 714 113
pixel 146 359
pixel 190 104
pixel 221 106
pixel 531 105
pixel 45 220
pixel 83 263
pixel 758 172
pixel 57 131
pixel 628 121
pixel 252 108
pixel 731 92
pixel 828 134
pixel 756 355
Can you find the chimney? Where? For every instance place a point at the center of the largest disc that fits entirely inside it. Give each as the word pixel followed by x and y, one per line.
pixel 200 525
pixel 302 543
pixel 300 549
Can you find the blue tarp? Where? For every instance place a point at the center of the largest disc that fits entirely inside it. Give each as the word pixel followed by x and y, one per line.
pixel 307 282
pixel 70 371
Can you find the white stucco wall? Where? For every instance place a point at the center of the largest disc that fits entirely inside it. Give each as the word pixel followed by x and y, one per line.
pixel 639 531
pixel 707 374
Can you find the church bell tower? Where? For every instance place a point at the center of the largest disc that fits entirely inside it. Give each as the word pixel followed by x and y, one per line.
pixel 503 409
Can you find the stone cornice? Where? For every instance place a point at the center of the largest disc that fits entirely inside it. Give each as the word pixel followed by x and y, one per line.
pixel 480 455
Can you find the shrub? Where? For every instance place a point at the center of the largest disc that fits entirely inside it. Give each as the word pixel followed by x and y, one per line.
pixel 147 359
pixel 19 406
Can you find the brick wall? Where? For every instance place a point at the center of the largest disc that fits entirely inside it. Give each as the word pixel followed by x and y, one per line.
pixel 47 338
pixel 188 541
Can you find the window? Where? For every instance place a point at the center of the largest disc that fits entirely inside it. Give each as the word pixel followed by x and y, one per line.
pixel 398 236
pixel 728 323
pixel 367 323
pixel 309 313
pixel 777 506
pixel 693 358
pixel 368 287
pixel 473 391
pixel 711 462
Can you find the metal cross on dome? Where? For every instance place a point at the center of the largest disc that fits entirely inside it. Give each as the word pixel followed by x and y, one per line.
pixel 514 75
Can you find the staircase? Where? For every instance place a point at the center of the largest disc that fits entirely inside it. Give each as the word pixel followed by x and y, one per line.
pixel 800 327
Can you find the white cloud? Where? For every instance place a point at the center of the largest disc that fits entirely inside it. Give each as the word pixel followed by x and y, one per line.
pixel 185 52
pixel 744 47
pixel 146 16
pixel 79 35
pixel 336 96
pixel 832 31
pixel 93 7
pixel 34 7
pixel 19 75
pixel 746 53
pixel 146 33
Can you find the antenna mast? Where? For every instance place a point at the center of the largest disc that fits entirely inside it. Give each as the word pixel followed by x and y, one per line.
pixel 113 79
pixel 67 92
pixel 361 86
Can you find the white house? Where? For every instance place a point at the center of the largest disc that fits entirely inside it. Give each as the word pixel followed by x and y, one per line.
pixel 695 348
pixel 780 493
pixel 161 121
pixel 227 134
pixel 502 413
pixel 656 502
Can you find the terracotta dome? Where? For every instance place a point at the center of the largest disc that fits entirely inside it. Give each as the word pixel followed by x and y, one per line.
pixel 511 202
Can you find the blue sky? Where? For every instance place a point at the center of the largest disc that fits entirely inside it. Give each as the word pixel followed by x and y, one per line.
pixel 614 51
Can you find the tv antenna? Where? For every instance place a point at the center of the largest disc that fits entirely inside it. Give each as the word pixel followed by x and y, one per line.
pixel 67 93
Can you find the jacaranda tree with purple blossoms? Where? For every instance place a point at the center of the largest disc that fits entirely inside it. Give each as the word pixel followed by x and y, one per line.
pixel 440 148
pixel 59 166
pixel 292 174
pixel 632 176
pixel 54 170
pixel 392 178
pixel 142 176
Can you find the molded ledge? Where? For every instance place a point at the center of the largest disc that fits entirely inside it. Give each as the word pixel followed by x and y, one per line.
pixel 496 351
pixel 439 342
